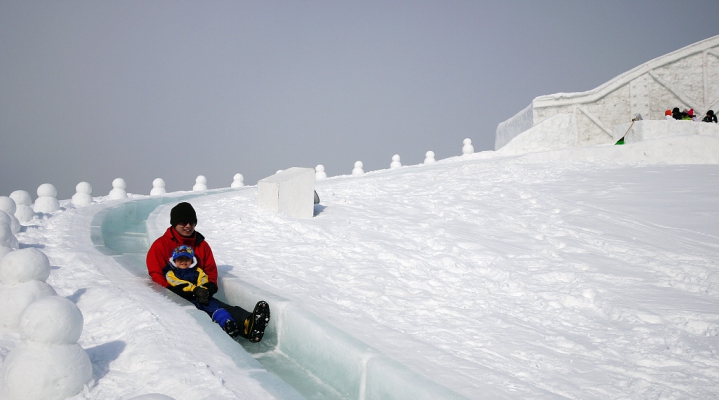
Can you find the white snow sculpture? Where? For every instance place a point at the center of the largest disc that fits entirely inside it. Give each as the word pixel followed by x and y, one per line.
pixel 320 172
pixel 200 184
pixel 7 205
pixel 118 189
pixel 7 238
pixel 83 195
pixel 467 148
pixel 22 281
pixel 24 213
pixel 152 396
pixel 395 162
pixel 429 157
pixel 23 201
pixel 46 201
pixel 238 181
pixel 357 170
pixel 48 364
pixel 158 187
pixel 11 221
pixel 21 197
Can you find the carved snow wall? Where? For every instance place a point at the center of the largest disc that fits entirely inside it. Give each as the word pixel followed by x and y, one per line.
pixel 686 78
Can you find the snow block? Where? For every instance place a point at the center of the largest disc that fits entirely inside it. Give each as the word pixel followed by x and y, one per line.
pixel 289 192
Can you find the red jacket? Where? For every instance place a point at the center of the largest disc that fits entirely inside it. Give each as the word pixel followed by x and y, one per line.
pixel 161 251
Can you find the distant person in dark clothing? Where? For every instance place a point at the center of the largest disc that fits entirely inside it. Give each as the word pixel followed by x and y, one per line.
pixel 676 113
pixel 710 117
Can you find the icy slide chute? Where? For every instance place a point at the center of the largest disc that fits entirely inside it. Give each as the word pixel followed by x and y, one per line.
pixel 308 353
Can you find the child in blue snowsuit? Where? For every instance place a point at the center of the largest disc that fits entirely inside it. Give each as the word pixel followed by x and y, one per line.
pixel 190 282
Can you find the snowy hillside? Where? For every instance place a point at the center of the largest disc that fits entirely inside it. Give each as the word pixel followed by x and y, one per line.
pixel 587 274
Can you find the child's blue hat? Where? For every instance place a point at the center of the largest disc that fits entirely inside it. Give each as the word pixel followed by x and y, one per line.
pixel 183 251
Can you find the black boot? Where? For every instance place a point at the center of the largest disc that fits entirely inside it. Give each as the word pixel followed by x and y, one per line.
pixel 255 325
pixel 232 329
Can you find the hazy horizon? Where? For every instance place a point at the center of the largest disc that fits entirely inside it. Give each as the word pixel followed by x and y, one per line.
pixel 93 91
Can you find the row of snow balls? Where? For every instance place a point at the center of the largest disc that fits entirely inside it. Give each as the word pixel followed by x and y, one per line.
pixel 467 148
pixel 47 194
pixel 19 204
pixel 48 363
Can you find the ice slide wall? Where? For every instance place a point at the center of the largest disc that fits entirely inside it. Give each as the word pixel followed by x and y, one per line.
pixel 307 352
pixel 685 78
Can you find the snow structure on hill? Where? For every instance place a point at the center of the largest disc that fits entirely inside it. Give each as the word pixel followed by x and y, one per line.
pixel 118 189
pixel 83 194
pixel 23 202
pixel 46 201
pixel 396 163
pixel 10 221
pixel 685 78
pixel 200 184
pixel 320 173
pixel 238 181
pixel 7 237
pixel 467 147
pixel 429 157
pixel 48 364
pixel 23 276
pixel 7 205
pixel 358 168
pixel 158 187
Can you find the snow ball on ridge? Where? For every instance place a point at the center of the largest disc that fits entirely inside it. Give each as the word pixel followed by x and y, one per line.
pixel 8 205
pixel 7 239
pixel 11 220
pixel 47 201
pixel 21 197
pixel 48 363
pixel 24 265
pixel 52 320
pixel 46 189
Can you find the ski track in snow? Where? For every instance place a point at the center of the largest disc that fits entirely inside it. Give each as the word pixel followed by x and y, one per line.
pixel 541 278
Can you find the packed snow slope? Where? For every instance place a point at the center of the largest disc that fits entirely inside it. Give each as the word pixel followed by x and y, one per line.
pixel 526 277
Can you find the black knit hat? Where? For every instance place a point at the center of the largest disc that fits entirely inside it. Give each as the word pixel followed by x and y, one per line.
pixel 183 212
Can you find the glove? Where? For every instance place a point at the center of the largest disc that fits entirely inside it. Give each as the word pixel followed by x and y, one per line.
pixel 211 287
pixel 202 295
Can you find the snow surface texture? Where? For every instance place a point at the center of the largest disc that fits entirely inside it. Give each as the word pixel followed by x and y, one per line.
pixel 500 277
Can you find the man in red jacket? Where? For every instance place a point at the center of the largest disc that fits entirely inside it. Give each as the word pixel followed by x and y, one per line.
pixel 183 220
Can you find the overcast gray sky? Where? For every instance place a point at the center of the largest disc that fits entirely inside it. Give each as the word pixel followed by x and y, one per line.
pixel 96 90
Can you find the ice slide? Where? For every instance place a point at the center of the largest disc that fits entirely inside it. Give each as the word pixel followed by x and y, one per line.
pixel 315 358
